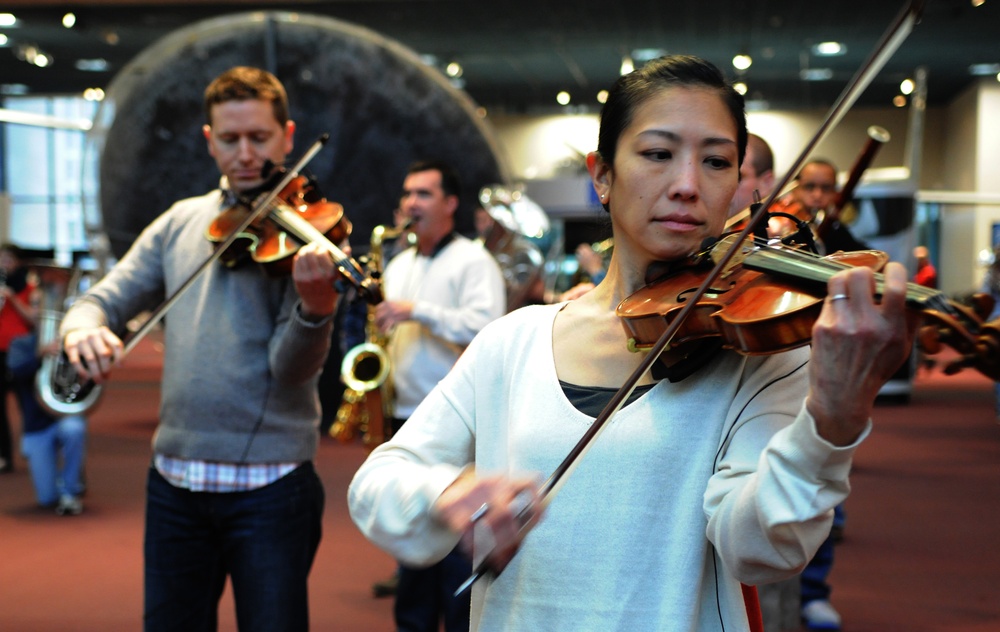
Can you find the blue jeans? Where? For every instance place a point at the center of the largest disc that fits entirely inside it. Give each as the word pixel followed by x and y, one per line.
pixel 265 540
pixel 55 458
pixel 426 596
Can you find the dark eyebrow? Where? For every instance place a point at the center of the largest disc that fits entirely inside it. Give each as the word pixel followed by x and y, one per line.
pixel 417 190
pixel 671 136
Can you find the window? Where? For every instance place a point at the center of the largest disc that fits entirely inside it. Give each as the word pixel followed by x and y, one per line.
pixel 45 176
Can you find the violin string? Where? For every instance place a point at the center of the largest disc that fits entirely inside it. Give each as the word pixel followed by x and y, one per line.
pixel 811 266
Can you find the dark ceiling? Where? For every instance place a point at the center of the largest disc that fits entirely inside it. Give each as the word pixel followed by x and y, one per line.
pixel 517 54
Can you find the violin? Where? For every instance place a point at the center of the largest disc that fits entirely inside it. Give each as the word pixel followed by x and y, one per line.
pixel 767 299
pixel 298 215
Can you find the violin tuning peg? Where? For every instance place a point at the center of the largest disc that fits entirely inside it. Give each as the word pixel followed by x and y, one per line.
pixel 929 339
pixel 982 305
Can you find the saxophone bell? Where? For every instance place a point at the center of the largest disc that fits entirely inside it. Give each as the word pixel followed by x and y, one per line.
pixel 365 367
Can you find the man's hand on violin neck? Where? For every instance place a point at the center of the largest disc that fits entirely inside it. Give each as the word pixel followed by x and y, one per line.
pixel 314 273
pixel 858 343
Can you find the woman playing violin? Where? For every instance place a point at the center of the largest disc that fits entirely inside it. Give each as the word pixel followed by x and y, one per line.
pixel 231 490
pixel 727 476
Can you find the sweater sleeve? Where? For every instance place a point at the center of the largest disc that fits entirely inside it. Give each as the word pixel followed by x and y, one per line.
pixel 134 284
pixel 770 502
pixel 299 348
pixel 481 298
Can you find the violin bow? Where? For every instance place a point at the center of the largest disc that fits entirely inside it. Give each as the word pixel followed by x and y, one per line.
pixel 894 36
pixel 262 205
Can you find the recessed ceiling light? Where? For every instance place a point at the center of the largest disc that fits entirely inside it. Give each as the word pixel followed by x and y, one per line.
pixel 983 70
pixel 815 74
pixel 8 19
pixel 563 98
pixel 742 61
pixel 829 49
pixel 646 54
pixel 91 65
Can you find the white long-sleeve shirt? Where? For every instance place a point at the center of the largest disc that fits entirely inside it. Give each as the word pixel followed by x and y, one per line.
pixel 691 489
pixel 455 293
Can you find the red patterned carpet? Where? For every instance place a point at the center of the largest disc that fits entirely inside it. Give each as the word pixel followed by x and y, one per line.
pixel 919 553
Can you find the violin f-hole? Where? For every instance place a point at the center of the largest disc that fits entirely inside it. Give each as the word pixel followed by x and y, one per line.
pixel 711 291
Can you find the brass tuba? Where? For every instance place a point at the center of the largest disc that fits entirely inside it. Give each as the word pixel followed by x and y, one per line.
pixel 516 222
pixel 365 367
pixel 58 386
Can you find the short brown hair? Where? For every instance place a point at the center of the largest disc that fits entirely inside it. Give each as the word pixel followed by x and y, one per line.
pixel 244 83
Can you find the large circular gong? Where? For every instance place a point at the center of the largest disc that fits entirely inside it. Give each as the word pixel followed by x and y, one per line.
pixel 381 105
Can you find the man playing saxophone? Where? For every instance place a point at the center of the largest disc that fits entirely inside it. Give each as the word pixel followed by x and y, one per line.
pixel 439 293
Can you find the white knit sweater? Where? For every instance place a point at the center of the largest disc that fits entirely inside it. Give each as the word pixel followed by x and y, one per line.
pixel 691 489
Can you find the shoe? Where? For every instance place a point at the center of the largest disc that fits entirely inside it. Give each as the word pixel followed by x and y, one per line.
pixel 69 506
pixel 386 587
pixel 820 615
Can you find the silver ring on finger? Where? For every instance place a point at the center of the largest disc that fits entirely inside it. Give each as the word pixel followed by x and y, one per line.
pixel 479 513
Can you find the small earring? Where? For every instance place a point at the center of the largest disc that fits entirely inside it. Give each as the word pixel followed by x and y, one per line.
pixel 602 196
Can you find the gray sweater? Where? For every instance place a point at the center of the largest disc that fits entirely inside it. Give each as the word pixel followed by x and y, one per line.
pixel 240 366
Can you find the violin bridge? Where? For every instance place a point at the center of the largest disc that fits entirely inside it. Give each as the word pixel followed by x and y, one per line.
pixel 736 261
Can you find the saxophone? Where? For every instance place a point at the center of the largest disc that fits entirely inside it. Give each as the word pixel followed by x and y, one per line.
pixel 365 367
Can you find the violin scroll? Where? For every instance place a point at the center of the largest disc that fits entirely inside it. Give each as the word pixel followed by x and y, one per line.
pixel 977 343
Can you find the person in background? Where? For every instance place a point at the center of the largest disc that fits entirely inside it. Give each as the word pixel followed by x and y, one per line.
pixel 991 286
pixel 756 174
pixel 232 492
pixel 727 476
pixel 590 272
pixel 926 274
pixel 55 447
pixel 439 293
pixel 815 193
pixel 16 319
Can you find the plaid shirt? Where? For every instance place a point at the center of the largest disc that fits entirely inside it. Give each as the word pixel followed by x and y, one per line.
pixel 207 476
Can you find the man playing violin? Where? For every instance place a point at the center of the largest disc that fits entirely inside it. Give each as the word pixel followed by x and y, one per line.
pixel 727 476
pixel 231 489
